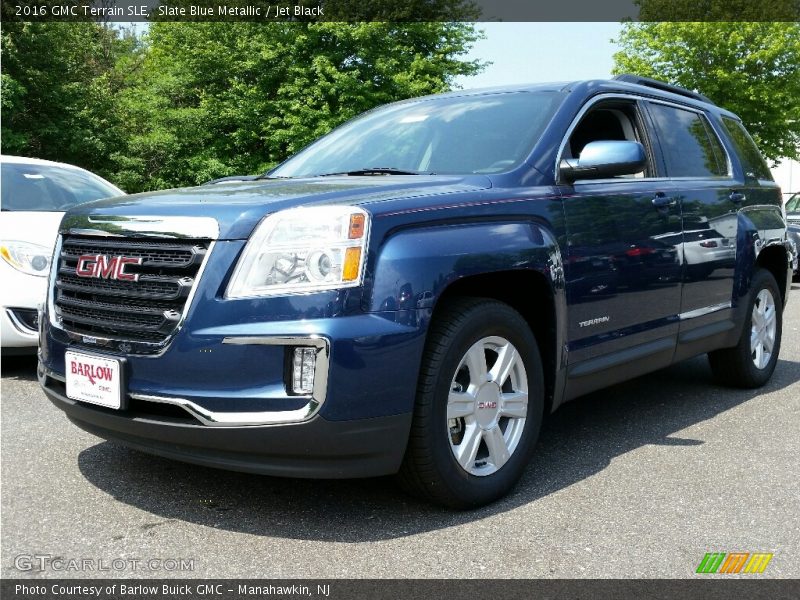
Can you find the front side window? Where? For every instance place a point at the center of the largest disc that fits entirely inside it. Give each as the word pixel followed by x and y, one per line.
pixel 793 204
pixel 32 187
pixel 689 146
pixel 612 120
pixel 488 133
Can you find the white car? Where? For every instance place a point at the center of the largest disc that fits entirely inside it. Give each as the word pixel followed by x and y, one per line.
pixel 34 195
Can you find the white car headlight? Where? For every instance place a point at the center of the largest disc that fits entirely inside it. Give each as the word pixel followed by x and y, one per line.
pixel 32 259
pixel 303 250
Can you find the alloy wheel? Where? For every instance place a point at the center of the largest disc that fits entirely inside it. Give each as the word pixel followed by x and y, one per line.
pixel 487 406
pixel 763 329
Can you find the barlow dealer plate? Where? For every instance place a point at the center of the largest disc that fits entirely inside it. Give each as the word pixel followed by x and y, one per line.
pixel 93 379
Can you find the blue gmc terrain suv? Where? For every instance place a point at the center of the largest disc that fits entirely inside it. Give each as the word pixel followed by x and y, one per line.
pixel 416 290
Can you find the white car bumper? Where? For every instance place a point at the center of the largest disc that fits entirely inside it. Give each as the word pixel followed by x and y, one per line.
pixel 19 295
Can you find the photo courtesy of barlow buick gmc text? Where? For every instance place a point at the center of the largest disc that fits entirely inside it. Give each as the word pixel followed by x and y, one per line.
pixel 415 291
pixel 399 299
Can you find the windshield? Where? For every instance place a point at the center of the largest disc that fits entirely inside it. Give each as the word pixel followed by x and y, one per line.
pixel 793 204
pixel 488 133
pixel 48 188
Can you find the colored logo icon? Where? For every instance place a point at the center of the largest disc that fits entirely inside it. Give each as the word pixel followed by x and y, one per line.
pixel 734 562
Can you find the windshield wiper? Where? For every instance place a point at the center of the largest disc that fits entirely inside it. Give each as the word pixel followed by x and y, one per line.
pixel 377 171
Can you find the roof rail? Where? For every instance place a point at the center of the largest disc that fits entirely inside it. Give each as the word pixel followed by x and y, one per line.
pixel 660 85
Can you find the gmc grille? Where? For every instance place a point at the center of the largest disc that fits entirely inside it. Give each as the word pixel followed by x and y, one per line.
pixel 140 315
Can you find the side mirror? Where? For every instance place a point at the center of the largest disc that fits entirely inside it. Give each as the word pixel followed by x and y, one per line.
pixel 599 160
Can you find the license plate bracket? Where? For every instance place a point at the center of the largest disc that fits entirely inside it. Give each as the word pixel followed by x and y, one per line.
pixel 93 378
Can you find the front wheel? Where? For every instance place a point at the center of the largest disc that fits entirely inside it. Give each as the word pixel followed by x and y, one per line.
pixel 479 405
pixel 751 362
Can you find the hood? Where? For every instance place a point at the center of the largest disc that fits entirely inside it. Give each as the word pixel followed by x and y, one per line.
pixel 239 206
pixel 35 227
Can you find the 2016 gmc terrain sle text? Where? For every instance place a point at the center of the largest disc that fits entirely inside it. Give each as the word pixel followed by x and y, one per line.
pixel 413 292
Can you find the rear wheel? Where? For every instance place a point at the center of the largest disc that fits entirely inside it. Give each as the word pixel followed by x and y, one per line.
pixel 479 405
pixel 752 361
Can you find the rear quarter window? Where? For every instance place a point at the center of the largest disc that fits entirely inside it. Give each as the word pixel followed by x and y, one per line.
pixel 752 162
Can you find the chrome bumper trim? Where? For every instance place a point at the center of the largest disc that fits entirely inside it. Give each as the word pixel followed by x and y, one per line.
pixel 20 326
pixel 248 419
pixel 236 419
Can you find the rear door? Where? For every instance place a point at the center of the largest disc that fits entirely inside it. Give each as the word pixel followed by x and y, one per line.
pixel 698 165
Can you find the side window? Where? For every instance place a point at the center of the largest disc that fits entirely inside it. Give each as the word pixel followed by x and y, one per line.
pixel 752 161
pixel 689 146
pixel 607 121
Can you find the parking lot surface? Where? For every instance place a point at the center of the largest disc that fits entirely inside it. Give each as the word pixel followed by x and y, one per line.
pixel 639 480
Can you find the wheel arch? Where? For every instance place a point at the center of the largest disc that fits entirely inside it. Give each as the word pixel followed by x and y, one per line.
pixel 775 260
pixel 517 262
pixel 530 294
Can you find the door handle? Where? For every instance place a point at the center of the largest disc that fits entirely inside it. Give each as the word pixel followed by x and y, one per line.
pixel 737 197
pixel 662 201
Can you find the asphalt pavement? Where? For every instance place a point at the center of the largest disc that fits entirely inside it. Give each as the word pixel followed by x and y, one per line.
pixel 639 480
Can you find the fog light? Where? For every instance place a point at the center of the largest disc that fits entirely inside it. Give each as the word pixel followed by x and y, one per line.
pixel 303 365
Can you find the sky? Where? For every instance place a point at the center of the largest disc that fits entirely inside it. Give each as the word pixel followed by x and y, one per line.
pixel 542 52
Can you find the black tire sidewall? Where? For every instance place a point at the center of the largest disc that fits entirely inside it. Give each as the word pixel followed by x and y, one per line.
pixel 761 280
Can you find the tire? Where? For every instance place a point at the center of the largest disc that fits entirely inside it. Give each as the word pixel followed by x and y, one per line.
pixel 751 362
pixel 492 413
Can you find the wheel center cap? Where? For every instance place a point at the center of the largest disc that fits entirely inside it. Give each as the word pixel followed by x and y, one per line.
pixel 487 405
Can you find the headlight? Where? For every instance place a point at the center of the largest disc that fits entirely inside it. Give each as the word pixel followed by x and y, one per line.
pixel 32 259
pixel 303 250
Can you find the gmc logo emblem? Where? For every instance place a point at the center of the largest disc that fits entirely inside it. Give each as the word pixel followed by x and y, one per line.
pixel 101 266
pixel 482 405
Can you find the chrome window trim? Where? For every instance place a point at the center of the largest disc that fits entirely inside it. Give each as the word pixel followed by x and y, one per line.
pixel 625 96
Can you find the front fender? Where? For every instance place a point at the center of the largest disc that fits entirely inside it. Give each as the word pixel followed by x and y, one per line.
pixel 415 266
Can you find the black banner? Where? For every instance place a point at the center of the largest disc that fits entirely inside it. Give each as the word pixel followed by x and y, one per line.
pixel 401 10
pixel 716 588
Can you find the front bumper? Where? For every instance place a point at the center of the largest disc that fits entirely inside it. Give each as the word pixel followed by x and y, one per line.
pixel 20 294
pixel 16 331
pixel 317 448
pixel 218 396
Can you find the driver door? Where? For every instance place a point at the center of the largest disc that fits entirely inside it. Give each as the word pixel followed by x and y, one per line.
pixel 622 266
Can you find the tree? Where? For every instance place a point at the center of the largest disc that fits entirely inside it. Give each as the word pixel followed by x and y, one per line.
pixel 718 10
pixel 752 69
pixel 216 99
pixel 58 87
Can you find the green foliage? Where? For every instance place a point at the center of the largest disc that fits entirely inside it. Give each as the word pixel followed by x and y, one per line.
pixel 215 99
pixel 752 69
pixel 719 10
pixel 195 101
pixel 58 90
